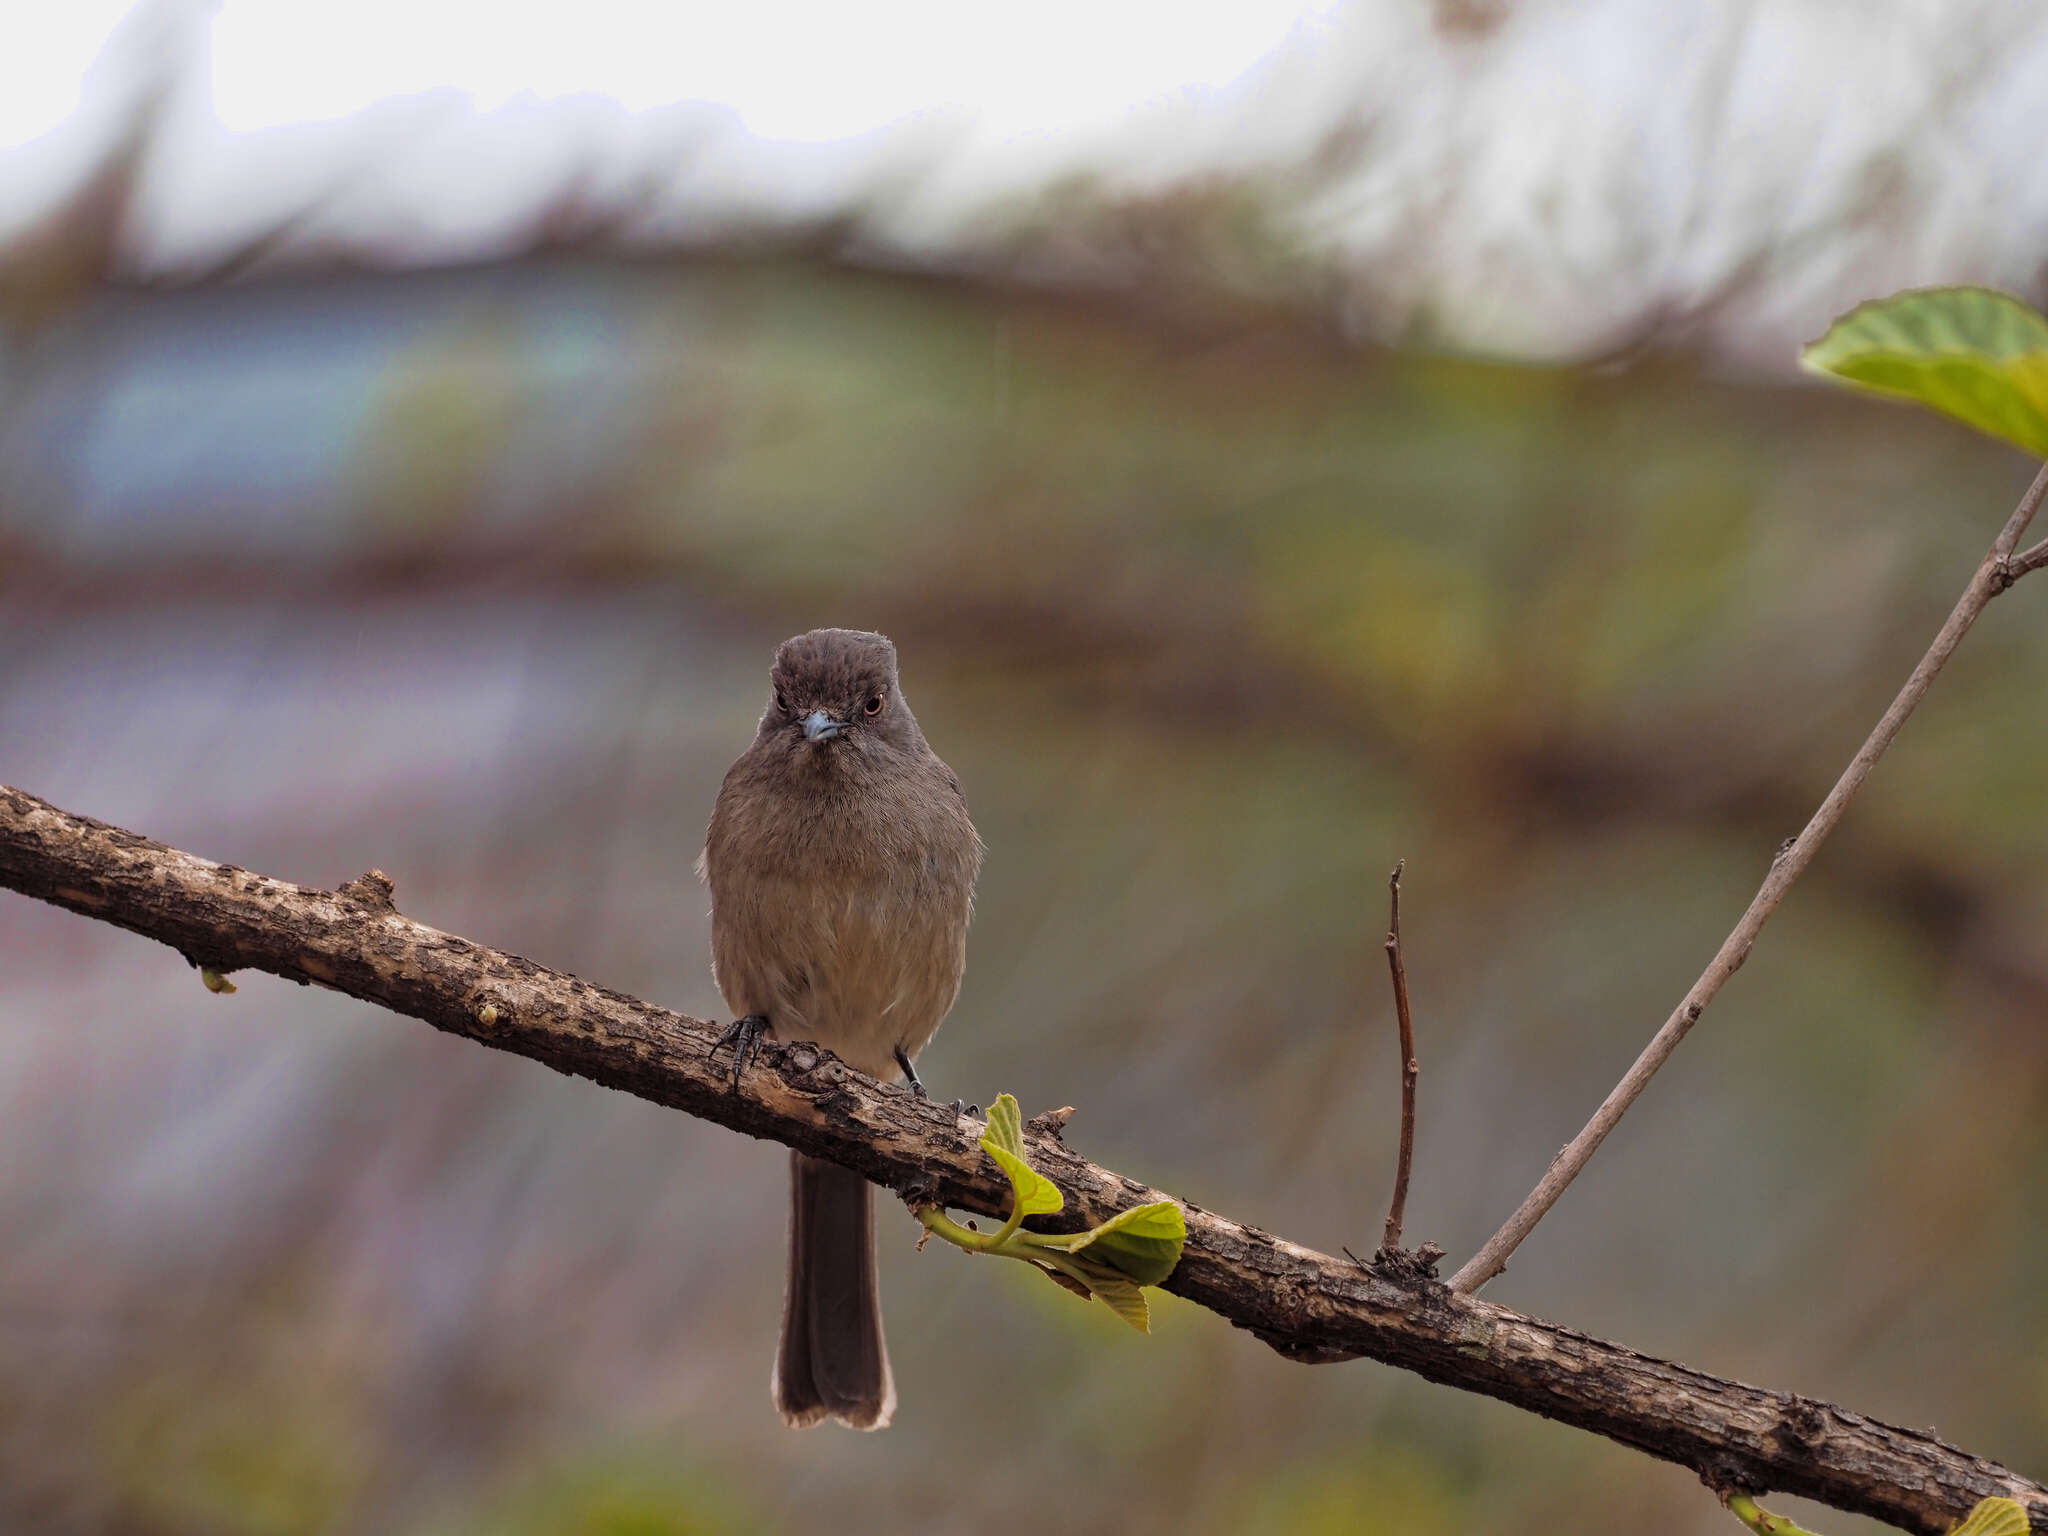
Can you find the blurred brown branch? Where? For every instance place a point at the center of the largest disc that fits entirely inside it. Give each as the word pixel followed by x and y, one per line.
pixel 1997 571
pixel 1305 1304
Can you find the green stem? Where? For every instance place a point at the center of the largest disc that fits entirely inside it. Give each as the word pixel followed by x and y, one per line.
pixel 1057 1240
pixel 939 1224
pixel 1008 1243
pixel 1054 1259
pixel 1009 1227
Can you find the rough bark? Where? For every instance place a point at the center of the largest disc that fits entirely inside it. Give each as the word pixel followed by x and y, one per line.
pixel 1307 1305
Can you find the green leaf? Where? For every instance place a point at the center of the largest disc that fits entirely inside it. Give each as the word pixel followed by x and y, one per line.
pixel 1762 1521
pixel 1035 1194
pixel 1122 1296
pixel 1114 1261
pixel 1994 1517
pixel 1143 1243
pixel 1005 1126
pixel 1976 354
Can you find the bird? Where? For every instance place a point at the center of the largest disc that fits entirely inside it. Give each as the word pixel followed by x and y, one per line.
pixel 841 863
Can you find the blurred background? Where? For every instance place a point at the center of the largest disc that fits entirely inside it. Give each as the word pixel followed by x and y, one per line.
pixel 1280 444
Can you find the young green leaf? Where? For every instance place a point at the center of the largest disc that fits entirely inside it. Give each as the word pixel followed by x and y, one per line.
pixel 1762 1521
pixel 1121 1296
pixel 1114 1261
pixel 1994 1517
pixel 1976 354
pixel 1035 1194
pixel 1143 1243
pixel 1005 1126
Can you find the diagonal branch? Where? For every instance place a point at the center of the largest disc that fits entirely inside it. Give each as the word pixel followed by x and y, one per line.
pixel 1305 1304
pixel 1997 571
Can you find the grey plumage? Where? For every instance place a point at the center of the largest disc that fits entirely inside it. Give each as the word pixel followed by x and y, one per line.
pixel 841 863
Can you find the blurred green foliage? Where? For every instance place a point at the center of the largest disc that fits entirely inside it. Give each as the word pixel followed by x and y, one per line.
pixel 474 576
pixel 208 1453
pixel 641 1494
pixel 1385 1489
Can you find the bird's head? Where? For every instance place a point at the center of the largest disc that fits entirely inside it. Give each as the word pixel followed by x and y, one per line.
pixel 834 691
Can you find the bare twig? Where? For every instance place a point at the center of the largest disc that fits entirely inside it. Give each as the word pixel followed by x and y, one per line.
pixel 1994 574
pixel 1390 1239
pixel 1307 1305
pixel 2026 560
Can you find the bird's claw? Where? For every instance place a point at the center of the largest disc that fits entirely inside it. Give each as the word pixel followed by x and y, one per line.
pixel 910 1074
pixel 960 1106
pixel 744 1036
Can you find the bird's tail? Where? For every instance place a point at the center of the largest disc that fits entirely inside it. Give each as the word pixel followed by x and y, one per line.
pixel 833 1361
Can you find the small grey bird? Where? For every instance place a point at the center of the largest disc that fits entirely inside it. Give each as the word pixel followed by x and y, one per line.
pixel 841 863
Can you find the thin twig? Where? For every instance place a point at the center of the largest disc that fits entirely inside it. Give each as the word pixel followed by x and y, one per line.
pixel 1995 573
pixel 2026 560
pixel 1390 1239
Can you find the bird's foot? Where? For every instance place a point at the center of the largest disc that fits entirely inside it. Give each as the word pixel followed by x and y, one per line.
pixel 960 1106
pixel 744 1036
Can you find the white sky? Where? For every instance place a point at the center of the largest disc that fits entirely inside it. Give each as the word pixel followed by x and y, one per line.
pixel 801 70
pixel 43 65
pixel 1539 184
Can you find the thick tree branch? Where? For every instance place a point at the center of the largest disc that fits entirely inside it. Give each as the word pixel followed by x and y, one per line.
pixel 1997 571
pixel 1307 1305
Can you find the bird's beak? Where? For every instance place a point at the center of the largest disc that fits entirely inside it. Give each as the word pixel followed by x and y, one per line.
pixel 819 726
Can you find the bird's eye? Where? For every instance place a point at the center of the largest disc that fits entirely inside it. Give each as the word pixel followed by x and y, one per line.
pixel 874 705
pixel 781 703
